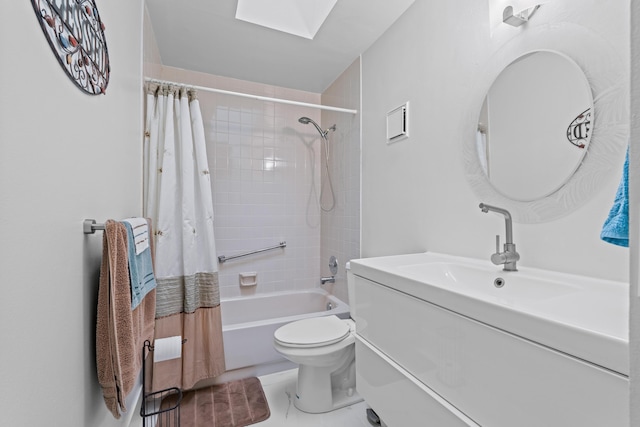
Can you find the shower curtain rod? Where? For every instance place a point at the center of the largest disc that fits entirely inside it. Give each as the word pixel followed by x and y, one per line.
pixel 258 97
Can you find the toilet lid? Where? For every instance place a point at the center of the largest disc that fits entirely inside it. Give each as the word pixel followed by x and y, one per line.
pixel 313 332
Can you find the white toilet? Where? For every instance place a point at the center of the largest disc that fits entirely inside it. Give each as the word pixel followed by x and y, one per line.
pixel 324 349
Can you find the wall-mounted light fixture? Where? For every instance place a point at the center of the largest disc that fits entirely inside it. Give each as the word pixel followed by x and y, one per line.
pixel 508 17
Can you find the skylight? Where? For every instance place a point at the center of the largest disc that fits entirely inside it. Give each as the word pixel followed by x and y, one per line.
pixel 302 18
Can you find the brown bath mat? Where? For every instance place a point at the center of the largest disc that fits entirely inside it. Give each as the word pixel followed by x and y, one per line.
pixel 233 404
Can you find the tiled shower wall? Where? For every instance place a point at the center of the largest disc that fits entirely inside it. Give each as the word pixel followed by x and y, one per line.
pixel 341 226
pixel 266 170
pixel 266 175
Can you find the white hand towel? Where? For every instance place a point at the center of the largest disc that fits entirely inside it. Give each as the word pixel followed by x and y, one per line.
pixel 140 233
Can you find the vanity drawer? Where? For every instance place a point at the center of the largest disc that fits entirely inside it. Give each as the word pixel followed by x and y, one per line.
pixel 495 378
pixel 398 398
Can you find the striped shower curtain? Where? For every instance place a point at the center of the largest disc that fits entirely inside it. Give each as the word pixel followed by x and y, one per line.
pixel 178 199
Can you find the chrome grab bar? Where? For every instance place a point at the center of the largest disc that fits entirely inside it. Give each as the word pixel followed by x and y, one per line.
pixel 223 258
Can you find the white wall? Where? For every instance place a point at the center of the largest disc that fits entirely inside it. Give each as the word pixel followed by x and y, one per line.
pixel 152 60
pixel 64 156
pixel 340 234
pixel 415 196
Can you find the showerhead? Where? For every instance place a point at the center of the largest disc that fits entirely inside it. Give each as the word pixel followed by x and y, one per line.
pixel 323 133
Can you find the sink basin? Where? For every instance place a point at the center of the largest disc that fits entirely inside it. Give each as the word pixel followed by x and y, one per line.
pixel 577 315
pixel 488 282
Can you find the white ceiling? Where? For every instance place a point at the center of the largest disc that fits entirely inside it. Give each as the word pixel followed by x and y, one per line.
pixel 203 35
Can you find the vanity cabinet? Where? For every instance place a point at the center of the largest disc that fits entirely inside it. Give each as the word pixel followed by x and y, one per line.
pixel 420 364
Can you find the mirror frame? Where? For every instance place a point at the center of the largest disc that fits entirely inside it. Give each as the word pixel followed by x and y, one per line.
pixel 605 73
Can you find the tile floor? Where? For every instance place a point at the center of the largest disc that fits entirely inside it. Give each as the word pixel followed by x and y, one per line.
pixel 280 386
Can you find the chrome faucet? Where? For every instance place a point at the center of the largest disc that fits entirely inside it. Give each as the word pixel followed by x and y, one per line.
pixel 333 267
pixel 325 280
pixel 509 256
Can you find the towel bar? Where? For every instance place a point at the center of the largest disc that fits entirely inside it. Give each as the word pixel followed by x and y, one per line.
pixel 89 226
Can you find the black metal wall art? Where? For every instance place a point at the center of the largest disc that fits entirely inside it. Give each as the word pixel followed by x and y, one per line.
pixel 76 36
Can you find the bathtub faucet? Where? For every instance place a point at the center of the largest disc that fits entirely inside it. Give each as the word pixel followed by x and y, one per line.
pixel 509 256
pixel 333 268
pixel 325 280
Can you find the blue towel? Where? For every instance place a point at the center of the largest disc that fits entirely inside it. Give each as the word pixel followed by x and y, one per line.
pixel 616 227
pixel 140 233
pixel 140 269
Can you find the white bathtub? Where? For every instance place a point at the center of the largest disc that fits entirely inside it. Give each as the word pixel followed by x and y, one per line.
pixel 248 324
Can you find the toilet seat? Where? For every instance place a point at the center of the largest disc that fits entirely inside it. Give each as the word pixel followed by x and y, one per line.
pixel 313 332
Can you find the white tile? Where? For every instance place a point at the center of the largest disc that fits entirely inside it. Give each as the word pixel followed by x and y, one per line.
pixel 280 388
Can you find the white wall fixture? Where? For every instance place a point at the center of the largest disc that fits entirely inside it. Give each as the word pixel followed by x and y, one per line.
pixel 517 19
pixel 398 123
pixel 514 13
pixel 249 278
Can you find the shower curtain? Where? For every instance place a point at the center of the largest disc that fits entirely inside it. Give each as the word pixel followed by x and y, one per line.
pixel 178 199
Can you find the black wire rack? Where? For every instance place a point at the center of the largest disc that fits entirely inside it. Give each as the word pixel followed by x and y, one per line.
pixel 162 406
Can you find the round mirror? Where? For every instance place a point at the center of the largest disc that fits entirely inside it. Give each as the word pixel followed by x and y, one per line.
pixel 535 125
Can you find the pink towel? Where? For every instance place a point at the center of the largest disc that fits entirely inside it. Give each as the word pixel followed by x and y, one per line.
pixel 120 332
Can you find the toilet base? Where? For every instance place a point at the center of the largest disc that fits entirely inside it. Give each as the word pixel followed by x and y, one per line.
pixel 325 389
pixel 340 399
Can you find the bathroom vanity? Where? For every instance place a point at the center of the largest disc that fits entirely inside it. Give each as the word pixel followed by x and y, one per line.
pixel 452 341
